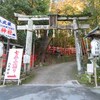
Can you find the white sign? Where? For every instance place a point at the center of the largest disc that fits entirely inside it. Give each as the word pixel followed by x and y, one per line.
pixel 1 49
pixel 26 59
pixel 7 29
pixel 14 64
pixel 95 47
pixel 90 68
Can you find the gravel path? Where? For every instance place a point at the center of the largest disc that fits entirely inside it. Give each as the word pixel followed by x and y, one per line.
pixel 55 74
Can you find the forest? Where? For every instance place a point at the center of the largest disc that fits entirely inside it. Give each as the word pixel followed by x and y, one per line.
pixel 63 38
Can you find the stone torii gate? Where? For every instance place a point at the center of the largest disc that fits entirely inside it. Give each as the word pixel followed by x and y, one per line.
pixel 52 19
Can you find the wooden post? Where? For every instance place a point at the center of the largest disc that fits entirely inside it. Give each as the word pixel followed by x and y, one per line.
pixel 1 67
pixel 25 68
pixel 33 53
pixel 1 54
pixel 87 47
pixel 95 71
pixel 53 20
pixel 7 51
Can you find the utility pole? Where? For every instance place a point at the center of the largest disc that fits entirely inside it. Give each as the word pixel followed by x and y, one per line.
pixel 77 45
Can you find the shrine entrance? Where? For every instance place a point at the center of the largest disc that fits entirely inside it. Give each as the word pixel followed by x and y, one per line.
pixel 53 20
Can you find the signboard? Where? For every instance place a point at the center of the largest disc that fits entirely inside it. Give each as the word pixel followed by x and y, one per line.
pixel 95 47
pixel 26 59
pixel 7 29
pixel 90 68
pixel 14 64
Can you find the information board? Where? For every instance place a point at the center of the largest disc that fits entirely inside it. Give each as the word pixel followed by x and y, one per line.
pixel 95 47
pixel 7 29
pixel 14 64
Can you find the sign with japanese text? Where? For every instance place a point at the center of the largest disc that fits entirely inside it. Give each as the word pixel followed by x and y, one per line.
pixel 14 64
pixel 95 47
pixel 7 29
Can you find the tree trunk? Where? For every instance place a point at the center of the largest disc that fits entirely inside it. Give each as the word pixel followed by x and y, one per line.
pixel 43 47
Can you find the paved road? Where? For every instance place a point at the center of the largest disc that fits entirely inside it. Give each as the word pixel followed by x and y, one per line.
pixel 56 74
pixel 48 92
pixel 52 83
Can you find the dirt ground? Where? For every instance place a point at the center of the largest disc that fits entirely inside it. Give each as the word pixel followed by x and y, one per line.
pixel 55 74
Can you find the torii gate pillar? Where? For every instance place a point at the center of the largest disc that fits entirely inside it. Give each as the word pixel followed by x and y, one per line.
pixel 78 46
pixel 28 44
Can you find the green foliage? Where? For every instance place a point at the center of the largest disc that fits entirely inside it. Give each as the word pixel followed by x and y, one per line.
pixel 28 78
pixel 83 79
pixel 98 76
pixel 93 7
pixel 23 7
pixel 27 7
pixel 69 9
pixel 21 38
pixel 98 61
pixel 63 38
pixel 40 7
